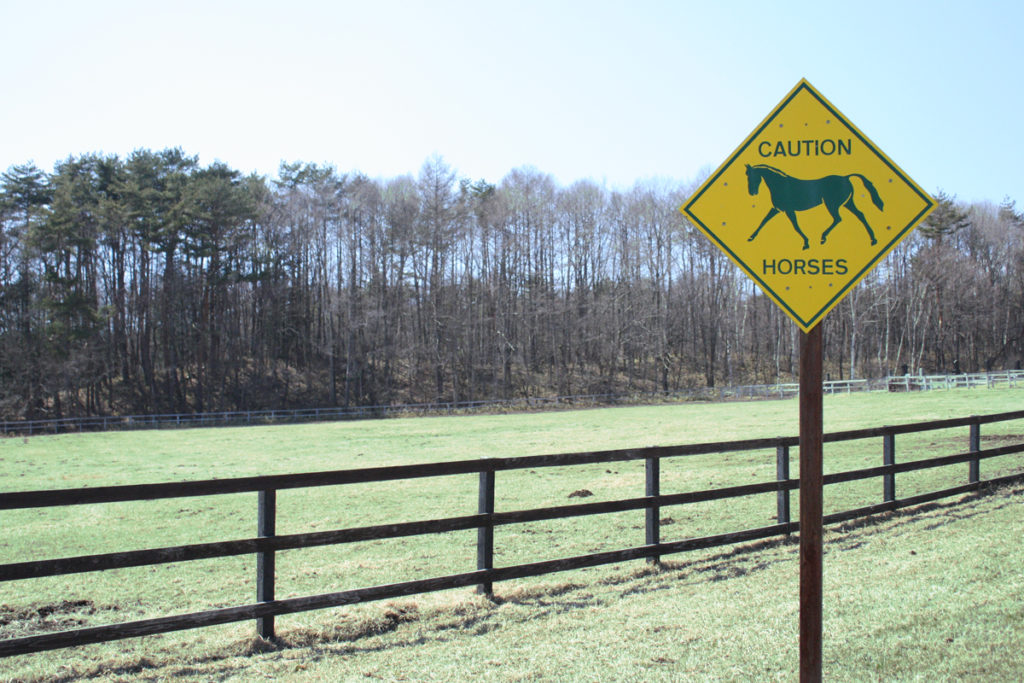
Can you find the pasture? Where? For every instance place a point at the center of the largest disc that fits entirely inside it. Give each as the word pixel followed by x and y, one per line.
pixel 724 614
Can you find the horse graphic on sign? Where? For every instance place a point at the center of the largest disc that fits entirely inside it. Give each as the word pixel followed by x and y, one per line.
pixel 790 195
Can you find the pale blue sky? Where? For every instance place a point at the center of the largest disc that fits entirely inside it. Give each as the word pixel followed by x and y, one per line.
pixel 613 91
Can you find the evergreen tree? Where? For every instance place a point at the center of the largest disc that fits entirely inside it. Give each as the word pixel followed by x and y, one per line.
pixel 948 218
pixel 24 196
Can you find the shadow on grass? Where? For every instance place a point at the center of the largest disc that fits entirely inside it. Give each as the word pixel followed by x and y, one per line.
pixel 936 514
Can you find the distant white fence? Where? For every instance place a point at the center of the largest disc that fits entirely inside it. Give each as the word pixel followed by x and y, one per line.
pixel 842 386
pixel 986 380
pixel 744 392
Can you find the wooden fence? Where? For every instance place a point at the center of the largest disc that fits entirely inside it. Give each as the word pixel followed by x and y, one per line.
pixel 266 542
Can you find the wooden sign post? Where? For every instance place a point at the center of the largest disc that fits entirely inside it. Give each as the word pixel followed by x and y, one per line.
pixel 811 528
pixel 807 206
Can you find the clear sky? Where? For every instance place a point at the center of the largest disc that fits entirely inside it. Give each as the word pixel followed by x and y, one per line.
pixel 612 91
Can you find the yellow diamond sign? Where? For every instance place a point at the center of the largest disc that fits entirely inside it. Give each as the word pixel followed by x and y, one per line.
pixel 807 205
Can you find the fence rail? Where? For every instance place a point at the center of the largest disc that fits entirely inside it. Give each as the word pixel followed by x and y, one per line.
pixel 277 416
pixel 266 543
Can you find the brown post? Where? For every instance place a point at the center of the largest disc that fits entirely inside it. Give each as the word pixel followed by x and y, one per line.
pixel 811 425
pixel 653 514
pixel 782 474
pixel 266 523
pixel 485 532
pixel 974 471
pixel 888 458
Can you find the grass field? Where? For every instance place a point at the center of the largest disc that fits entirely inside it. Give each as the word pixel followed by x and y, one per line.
pixel 937 595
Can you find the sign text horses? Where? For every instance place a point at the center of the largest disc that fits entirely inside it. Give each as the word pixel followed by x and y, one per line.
pixel 807 205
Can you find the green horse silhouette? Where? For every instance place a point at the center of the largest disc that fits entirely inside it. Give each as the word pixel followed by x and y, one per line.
pixel 790 195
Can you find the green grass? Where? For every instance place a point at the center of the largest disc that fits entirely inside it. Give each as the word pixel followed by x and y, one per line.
pixel 717 615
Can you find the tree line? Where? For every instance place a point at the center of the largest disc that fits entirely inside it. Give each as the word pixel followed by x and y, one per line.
pixel 153 283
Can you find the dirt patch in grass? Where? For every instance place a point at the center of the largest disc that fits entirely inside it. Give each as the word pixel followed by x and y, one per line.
pixel 18 621
pixel 1000 439
pixel 350 627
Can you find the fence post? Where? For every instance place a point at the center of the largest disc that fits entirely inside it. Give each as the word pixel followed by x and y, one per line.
pixel 782 475
pixel 651 490
pixel 889 458
pixel 266 523
pixel 974 473
pixel 485 532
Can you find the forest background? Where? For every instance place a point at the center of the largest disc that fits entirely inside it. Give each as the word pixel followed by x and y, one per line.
pixel 151 283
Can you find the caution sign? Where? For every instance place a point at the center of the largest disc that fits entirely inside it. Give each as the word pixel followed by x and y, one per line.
pixel 807 205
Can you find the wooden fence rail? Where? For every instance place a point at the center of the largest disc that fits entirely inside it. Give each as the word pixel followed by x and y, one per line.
pixel 267 542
